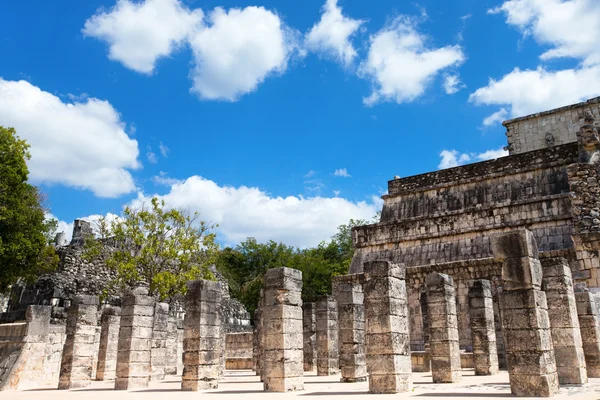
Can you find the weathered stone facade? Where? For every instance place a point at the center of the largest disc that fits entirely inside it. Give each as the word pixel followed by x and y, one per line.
pixel 525 321
pixel 483 332
pixel 587 312
pixel 564 324
pixel 282 324
pixel 309 323
pixel 443 328
pixel 327 336
pixel 202 336
pixel 386 328
pixel 110 322
pixel 348 290
pixel 135 340
pixel 79 351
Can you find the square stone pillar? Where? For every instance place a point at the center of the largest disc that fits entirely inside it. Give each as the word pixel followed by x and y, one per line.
pixel 557 283
pixel 158 354
pixel 202 336
pixel 261 336
pixel 257 340
pixel 525 320
pixel 78 353
pixel 135 340
pixel 171 343
pixel 348 291
pixel 387 339
pixel 282 322
pixel 309 323
pixel 179 346
pixel 109 339
pixel 443 328
pixel 327 336
pixel 590 330
pixel 483 330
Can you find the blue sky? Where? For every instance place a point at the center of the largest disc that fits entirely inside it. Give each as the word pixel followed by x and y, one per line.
pixel 277 120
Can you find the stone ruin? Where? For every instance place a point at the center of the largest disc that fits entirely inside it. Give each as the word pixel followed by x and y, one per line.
pixel 488 266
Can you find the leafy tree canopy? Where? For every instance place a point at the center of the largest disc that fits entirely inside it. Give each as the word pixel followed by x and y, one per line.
pixel 161 248
pixel 25 234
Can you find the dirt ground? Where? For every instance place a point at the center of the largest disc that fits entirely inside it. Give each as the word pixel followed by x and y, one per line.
pixel 244 384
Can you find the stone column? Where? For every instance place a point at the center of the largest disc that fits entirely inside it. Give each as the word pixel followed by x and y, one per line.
pixel 483 330
pixel 590 330
pixel 109 338
pixel 78 353
pixel 202 336
pixel 348 291
pixel 158 354
pixel 135 340
pixel 327 336
pixel 171 343
pixel 309 323
pixel 525 321
pixel 261 336
pixel 386 327
pixel 256 345
pixel 443 328
pixel 179 346
pixel 282 322
pixel 564 324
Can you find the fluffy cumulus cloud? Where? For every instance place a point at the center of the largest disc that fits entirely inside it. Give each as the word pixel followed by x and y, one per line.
pixel 332 34
pixel 571 27
pixel 531 91
pixel 401 66
pixel 342 172
pixel 139 33
pixel 250 212
pixel 496 118
pixel 237 50
pixel 81 144
pixel 452 84
pixel 452 158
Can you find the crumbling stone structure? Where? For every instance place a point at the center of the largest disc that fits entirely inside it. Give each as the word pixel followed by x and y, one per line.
pixel 135 340
pixel 327 336
pixel 171 343
pixel 282 322
pixel 22 350
pixel 386 328
pixel 110 322
pixel 158 354
pixel 443 328
pixel 78 353
pixel 348 290
pixel 202 336
pixel 442 221
pixel 483 332
pixel 257 341
pixel 309 323
pixel 564 324
pixel 587 312
pixel 525 321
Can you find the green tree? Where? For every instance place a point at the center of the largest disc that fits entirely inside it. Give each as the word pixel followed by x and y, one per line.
pixel 25 234
pixel 158 247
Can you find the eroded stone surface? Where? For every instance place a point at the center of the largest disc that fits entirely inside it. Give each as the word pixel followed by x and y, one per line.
pixel 309 322
pixel 202 336
pixel 483 330
pixel 327 336
pixel 110 321
pixel 590 330
pixel 386 328
pixel 282 324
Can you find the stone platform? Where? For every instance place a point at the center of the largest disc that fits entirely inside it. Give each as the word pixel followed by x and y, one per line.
pixel 240 384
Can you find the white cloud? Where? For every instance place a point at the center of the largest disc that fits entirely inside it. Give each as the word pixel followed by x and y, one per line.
pixel 310 173
pixel 342 172
pixel 80 144
pixel 531 91
pixel 164 150
pixel 163 179
pixel 336 193
pixel 151 156
pixel 496 118
pixel 140 33
pixel 250 212
pixel 401 66
pixel 452 83
pixel 452 158
pixel 238 51
pixel 571 27
pixel 331 35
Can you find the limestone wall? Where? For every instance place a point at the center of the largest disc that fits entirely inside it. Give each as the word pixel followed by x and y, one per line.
pixel 554 127
pixel 239 350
